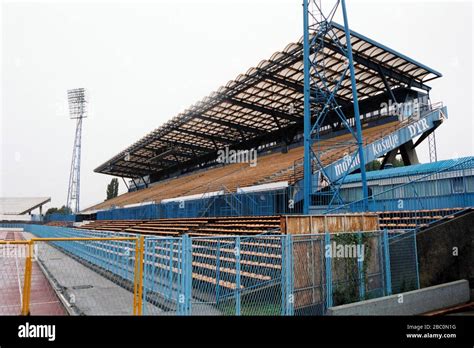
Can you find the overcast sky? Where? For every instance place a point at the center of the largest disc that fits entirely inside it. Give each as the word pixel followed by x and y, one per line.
pixel 143 63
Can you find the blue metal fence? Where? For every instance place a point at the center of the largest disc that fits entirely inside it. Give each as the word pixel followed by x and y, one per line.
pixel 403 260
pixel 452 186
pixel 252 275
pixel 109 255
pixel 59 217
pixel 340 268
pixel 232 204
pixel 144 212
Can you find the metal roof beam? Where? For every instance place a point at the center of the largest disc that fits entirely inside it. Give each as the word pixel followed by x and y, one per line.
pixel 237 126
pixel 375 67
pixel 298 87
pixel 387 85
pixel 205 136
pixel 183 154
pixel 150 164
pixel 189 146
pixel 293 85
pixel 263 110
pixel 125 170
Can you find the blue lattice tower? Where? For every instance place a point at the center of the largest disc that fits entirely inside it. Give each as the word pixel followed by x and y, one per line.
pixel 321 85
pixel 432 147
pixel 78 111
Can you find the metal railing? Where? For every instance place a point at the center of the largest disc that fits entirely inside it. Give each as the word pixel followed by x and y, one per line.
pixel 230 204
pixel 100 272
pixel 433 191
pixel 72 275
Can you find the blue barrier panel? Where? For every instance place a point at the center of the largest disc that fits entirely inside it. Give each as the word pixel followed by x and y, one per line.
pixel 145 212
pixel 386 257
pixel 232 204
pixel 403 261
pixel 60 217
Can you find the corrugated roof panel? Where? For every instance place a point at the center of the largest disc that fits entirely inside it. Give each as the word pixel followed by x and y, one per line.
pixel 265 94
pixel 416 169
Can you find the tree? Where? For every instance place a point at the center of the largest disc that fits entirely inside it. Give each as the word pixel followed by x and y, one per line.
pixel 376 164
pixel 112 189
pixel 63 210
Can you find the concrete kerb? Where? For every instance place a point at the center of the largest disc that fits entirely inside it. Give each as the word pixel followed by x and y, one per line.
pixel 410 303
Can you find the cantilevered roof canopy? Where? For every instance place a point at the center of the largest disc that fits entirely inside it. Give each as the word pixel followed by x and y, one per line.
pixel 21 205
pixel 266 100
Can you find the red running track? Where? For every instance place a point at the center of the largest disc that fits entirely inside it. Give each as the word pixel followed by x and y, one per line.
pixel 43 299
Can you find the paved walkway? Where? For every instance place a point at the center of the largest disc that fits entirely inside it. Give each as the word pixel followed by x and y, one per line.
pixel 87 292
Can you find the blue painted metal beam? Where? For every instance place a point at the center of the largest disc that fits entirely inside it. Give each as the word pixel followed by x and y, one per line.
pixel 307 170
pixel 365 191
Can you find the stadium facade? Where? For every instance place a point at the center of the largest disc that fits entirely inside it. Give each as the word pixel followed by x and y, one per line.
pixel 177 170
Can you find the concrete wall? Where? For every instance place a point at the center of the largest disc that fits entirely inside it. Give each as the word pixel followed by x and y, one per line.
pixel 409 303
pixel 437 261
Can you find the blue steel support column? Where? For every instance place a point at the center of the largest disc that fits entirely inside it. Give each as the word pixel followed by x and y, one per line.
pixel 284 261
pixel 290 297
pixel 307 170
pixel 328 264
pixel 386 255
pixel 184 298
pixel 287 274
pixel 360 268
pixel 170 268
pixel 365 192
pixel 416 260
pixel 237 276
pixel 189 273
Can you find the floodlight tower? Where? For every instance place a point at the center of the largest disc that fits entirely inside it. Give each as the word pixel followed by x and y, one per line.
pixel 77 111
pixel 322 82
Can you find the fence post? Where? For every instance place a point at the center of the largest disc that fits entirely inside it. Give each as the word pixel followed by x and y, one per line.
pixel 415 247
pixel 284 277
pixel 25 310
pixel 170 269
pixel 328 261
pixel 184 299
pixel 360 268
pixel 218 268
pixel 189 276
pixel 237 276
pixel 289 298
pixel 388 274
pixel 138 277
pixel 141 275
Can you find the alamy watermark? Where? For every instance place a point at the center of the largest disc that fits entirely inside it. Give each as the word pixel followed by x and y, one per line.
pixel 403 110
pixel 353 251
pixel 229 156
pixel 28 330
pixel 19 251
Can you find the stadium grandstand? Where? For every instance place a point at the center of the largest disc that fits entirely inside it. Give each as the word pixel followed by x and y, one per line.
pixel 217 219
pixel 175 172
